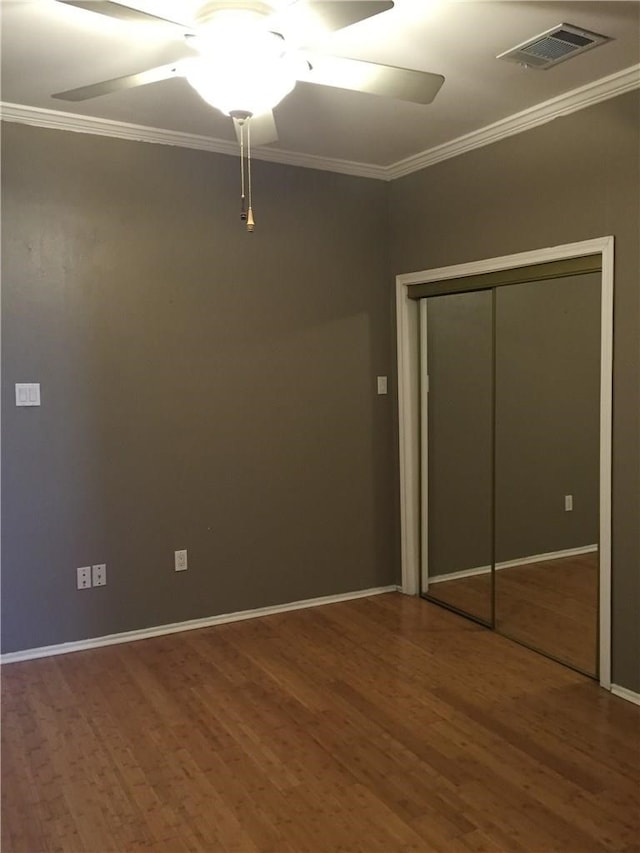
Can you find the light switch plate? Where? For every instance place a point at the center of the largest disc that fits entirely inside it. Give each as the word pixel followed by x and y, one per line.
pixel 27 393
pixel 382 384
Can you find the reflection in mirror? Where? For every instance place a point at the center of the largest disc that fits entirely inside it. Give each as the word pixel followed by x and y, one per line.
pixel 547 466
pixel 457 451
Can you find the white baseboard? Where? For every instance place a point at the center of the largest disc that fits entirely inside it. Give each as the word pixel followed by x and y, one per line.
pixel 190 625
pixel 510 564
pixel 464 573
pixel 625 693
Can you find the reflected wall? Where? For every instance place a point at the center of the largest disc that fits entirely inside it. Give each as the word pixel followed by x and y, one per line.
pixel 458 507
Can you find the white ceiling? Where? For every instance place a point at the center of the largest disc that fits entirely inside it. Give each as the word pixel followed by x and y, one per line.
pixel 48 47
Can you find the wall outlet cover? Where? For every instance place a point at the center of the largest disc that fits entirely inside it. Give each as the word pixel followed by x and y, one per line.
pixel 83 577
pixel 180 561
pixel 99 574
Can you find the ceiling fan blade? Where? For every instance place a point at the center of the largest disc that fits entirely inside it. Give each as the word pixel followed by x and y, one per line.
pixel 107 87
pixel 336 14
pixel 263 129
pixel 116 10
pixel 418 87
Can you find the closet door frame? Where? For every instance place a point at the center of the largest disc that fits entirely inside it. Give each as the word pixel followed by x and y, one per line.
pixel 409 410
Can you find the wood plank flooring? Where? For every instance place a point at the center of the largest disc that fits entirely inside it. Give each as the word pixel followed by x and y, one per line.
pixel 384 724
pixel 551 605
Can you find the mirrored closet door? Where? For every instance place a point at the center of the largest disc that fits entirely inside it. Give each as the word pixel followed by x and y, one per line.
pixel 457 461
pixel 547 436
pixel 510 420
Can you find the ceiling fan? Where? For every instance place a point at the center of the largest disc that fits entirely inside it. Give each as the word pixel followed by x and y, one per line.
pixel 246 57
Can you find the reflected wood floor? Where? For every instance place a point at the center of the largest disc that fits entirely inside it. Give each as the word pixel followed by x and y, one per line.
pixel 382 724
pixel 551 605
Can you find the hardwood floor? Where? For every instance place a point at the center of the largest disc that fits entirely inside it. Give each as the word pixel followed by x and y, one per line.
pixel 551 605
pixel 383 724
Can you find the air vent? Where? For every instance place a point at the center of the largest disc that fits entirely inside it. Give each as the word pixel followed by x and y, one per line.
pixel 553 46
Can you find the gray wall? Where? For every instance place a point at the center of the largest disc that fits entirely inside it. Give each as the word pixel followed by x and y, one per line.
pixel 202 388
pixel 572 179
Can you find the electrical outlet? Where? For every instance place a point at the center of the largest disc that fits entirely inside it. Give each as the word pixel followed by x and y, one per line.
pixel 181 561
pixel 99 574
pixel 568 503
pixel 83 577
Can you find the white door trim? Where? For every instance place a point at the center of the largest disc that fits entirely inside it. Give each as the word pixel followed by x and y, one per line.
pixel 407 319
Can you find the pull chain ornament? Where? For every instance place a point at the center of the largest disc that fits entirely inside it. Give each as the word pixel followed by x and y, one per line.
pixel 250 223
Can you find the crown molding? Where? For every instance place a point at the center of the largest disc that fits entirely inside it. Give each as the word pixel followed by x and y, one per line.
pixel 577 99
pixel 570 102
pixel 57 120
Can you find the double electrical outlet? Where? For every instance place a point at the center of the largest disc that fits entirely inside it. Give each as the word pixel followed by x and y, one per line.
pixel 88 576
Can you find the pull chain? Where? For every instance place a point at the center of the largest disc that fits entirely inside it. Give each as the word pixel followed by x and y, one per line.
pixel 243 209
pixel 250 223
pixel 243 123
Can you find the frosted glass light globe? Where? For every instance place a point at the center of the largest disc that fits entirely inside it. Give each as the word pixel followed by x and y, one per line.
pixel 243 86
pixel 242 66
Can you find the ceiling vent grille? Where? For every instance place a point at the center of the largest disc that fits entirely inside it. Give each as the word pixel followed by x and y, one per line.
pixel 553 46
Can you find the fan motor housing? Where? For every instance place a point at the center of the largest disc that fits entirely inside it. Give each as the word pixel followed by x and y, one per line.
pixel 207 11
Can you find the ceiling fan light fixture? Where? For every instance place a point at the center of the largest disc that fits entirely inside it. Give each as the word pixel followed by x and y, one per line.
pixel 243 66
pixel 243 85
